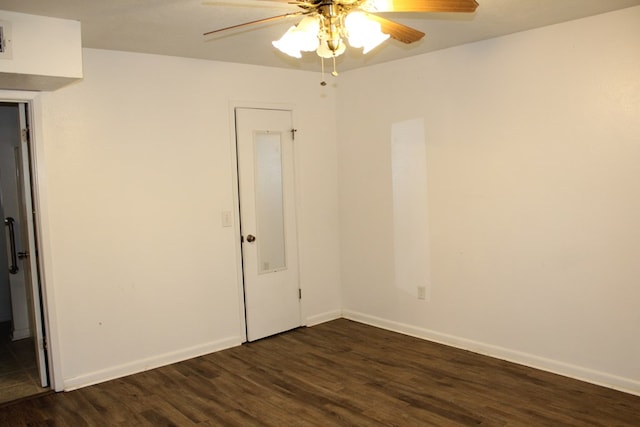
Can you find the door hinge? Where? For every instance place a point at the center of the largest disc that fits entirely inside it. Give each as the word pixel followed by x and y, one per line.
pixel 293 134
pixel 25 134
pixel 45 345
pixel 299 293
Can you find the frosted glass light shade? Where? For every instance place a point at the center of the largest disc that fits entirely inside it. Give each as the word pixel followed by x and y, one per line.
pixel 363 32
pixel 300 38
pixel 287 44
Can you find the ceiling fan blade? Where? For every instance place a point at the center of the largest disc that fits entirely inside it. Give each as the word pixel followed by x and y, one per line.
pixel 398 31
pixel 257 21
pixel 245 3
pixel 421 5
pixel 254 2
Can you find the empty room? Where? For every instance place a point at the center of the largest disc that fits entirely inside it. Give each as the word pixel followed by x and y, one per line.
pixel 326 212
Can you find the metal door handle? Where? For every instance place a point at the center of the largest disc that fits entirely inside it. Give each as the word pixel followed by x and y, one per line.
pixel 251 238
pixel 13 269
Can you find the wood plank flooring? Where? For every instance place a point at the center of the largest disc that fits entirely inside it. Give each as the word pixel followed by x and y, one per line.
pixel 340 373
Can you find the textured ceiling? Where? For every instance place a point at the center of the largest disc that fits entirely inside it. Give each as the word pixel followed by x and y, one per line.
pixel 175 27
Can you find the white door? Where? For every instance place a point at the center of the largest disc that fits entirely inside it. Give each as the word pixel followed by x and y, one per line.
pixel 28 243
pixel 267 221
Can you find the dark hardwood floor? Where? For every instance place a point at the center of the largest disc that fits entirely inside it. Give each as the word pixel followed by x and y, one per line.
pixel 337 373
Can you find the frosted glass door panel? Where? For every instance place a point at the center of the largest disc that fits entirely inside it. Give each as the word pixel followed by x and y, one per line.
pixel 269 202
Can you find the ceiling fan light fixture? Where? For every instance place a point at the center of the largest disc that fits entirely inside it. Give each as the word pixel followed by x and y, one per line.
pixel 326 36
pixel 328 25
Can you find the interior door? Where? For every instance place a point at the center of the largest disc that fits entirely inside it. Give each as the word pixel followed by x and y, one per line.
pixel 29 252
pixel 267 221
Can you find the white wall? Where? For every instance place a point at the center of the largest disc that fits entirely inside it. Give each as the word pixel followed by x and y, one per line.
pixel 138 170
pixel 532 149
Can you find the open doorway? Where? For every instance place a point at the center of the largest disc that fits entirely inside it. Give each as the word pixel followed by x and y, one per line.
pixel 23 365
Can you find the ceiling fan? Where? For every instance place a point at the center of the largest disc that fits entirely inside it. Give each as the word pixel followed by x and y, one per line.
pixel 326 24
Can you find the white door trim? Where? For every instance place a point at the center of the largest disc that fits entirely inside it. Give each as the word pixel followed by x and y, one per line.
pixel 39 194
pixel 236 203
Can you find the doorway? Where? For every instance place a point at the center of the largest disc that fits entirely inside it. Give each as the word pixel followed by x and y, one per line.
pixel 269 241
pixel 23 364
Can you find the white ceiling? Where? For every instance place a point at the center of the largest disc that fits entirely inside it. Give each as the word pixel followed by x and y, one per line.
pixel 175 27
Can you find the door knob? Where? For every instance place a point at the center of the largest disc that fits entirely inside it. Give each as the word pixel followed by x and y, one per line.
pixel 251 238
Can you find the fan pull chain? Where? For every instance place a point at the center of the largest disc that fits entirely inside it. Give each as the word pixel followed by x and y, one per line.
pixel 334 73
pixel 323 82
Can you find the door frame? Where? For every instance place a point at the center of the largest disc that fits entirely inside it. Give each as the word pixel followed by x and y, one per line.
pixel 41 222
pixel 236 204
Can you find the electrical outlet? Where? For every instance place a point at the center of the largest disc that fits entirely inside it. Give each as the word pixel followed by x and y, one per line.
pixel 422 292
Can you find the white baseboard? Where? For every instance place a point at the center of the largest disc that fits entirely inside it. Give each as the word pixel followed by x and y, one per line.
pixel 323 317
pixel 149 363
pixel 572 371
